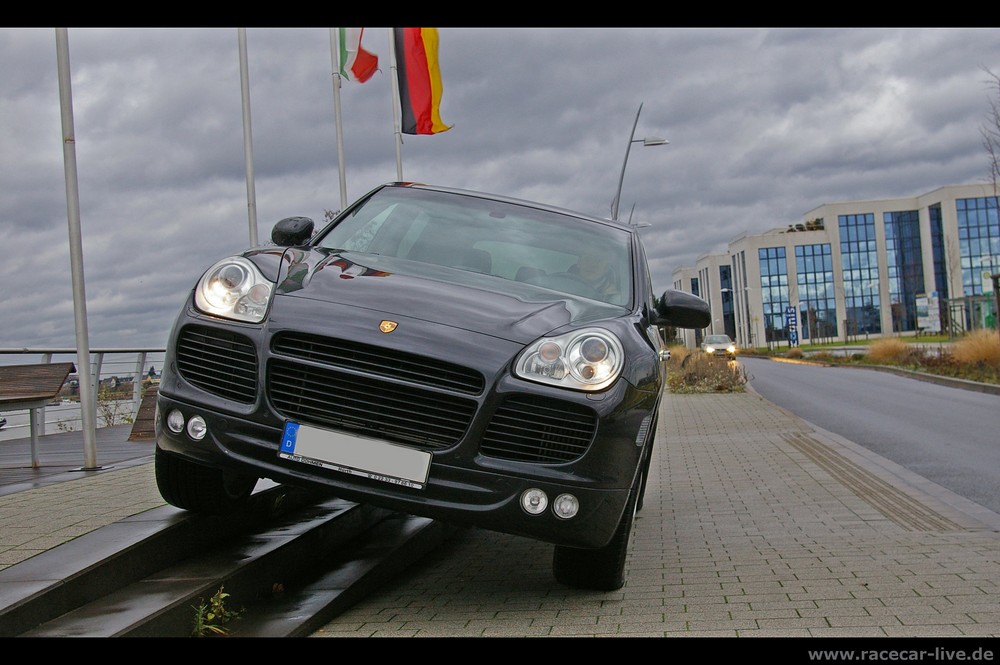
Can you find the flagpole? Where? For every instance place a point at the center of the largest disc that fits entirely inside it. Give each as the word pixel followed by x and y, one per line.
pixel 397 134
pixel 247 136
pixel 88 405
pixel 335 62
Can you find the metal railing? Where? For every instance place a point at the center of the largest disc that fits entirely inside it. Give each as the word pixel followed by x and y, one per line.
pixel 111 372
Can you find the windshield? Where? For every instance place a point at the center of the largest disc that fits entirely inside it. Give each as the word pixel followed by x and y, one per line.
pixel 717 339
pixel 508 241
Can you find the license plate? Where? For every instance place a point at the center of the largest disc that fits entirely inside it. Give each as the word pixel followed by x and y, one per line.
pixel 358 456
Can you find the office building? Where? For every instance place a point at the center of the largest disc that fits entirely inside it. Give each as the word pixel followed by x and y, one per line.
pixel 857 269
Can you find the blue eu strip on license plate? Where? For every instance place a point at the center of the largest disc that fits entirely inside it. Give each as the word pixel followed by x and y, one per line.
pixel 358 456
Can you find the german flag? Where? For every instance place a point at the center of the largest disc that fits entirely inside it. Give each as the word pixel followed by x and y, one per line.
pixel 419 79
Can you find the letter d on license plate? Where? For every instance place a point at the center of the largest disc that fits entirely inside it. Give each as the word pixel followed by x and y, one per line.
pixel 358 456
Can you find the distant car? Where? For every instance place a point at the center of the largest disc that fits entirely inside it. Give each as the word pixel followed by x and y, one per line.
pixel 719 345
pixel 456 355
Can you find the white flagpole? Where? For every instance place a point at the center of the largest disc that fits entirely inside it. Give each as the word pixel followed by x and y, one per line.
pixel 335 62
pixel 88 406
pixel 397 134
pixel 247 136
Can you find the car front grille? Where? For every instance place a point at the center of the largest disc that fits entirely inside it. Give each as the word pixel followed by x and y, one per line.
pixel 375 360
pixel 530 428
pixel 218 361
pixel 367 405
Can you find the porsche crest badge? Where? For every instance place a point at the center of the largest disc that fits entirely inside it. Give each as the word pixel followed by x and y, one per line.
pixel 387 326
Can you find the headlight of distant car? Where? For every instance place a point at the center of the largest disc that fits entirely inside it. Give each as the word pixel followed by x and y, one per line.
pixel 235 289
pixel 589 359
pixel 731 348
pixel 709 349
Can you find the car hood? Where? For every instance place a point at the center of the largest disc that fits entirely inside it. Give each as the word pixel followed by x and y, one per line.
pixel 480 303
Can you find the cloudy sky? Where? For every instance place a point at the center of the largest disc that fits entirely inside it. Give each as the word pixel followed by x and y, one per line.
pixel 764 125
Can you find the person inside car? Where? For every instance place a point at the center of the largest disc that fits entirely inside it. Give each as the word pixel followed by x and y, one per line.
pixel 596 272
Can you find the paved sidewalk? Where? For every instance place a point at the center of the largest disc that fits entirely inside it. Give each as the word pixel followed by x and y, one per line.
pixel 755 524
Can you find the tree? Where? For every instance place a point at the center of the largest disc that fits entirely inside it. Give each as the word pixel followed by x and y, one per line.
pixel 990 130
pixel 991 141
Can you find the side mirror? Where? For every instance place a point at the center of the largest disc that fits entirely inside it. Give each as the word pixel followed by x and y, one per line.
pixel 292 231
pixel 683 310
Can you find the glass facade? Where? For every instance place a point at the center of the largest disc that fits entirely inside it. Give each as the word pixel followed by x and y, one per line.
pixel 904 265
pixel 859 262
pixel 817 299
pixel 938 251
pixel 728 310
pixel 774 292
pixel 978 242
pixel 696 290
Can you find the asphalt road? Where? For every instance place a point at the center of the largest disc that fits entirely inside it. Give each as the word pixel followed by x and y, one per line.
pixel 947 435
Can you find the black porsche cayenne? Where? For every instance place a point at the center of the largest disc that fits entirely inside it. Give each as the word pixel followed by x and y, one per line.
pixel 445 353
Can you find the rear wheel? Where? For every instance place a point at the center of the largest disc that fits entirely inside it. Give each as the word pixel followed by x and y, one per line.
pixel 199 488
pixel 601 569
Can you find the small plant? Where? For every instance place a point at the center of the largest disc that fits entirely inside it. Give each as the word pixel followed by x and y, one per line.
pixel 978 347
pixel 65 426
pixel 211 618
pixel 112 409
pixel 794 353
pixel 701 373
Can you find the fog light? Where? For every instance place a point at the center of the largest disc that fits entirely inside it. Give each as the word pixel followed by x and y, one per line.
pixel 565 506
pixel 175 421
pixel 534 501
pixel 197 428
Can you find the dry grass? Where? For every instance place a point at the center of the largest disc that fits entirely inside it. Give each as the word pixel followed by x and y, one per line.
pixel 695 372
pixel 978 347
pixel 975 357
pixel 889 350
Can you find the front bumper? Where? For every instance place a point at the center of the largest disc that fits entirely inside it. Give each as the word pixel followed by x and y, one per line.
pixel 485 494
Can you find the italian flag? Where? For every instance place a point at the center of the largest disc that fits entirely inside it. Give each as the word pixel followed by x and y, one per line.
pixel 356 63
pixel 419 79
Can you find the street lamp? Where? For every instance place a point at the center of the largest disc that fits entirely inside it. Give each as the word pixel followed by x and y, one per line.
pixel 649 140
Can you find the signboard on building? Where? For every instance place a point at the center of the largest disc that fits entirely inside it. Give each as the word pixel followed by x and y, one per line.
pixel 928 312
pixel 791 322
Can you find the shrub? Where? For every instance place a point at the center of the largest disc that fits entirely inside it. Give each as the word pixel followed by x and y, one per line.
pixel 678 353
pixel 689 372
pixel 889 351
pixel 978 347
pixel 794 353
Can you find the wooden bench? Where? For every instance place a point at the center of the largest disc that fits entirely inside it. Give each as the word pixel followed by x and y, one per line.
pixel 32 387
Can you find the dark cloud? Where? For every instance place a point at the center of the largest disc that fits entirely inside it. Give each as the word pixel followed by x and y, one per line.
pixel 764 125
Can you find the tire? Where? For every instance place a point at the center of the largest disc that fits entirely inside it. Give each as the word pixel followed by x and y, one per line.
pixel 601 569
pixel 198 488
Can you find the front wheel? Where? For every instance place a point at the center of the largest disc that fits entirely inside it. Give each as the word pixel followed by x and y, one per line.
pixel 199 488
pixel 601 569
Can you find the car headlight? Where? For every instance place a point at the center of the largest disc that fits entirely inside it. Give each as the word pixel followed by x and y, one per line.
pixel 588 359
pixel 730 349
pixel 709 349
pixel 235 289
